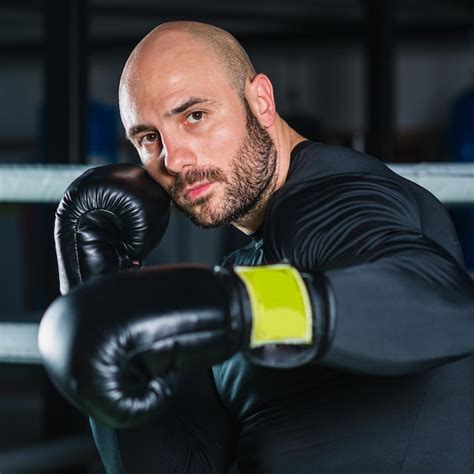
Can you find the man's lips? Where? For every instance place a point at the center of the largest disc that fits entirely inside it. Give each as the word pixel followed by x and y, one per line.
pixel 194 191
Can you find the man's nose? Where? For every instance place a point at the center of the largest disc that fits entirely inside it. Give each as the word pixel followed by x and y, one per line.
pixel 178 158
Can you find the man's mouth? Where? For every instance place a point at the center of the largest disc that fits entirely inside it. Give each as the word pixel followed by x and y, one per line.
pixel 194 191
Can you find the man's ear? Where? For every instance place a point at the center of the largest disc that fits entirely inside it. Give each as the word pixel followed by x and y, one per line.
pixel 261 101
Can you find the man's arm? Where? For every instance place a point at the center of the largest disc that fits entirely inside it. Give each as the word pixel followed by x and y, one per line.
pixel 402 303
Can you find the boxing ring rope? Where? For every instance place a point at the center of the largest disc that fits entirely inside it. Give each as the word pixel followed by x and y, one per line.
pixel 451 183
pixel 18 343
pixel 36 183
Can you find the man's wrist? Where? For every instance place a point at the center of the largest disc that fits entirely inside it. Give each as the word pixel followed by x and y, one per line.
pixel 280 305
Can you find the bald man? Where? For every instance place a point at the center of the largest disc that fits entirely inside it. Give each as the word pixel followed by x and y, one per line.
pixel 197 83
pixel 385 381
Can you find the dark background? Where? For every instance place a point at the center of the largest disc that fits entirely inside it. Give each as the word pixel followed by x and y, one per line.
pixel 381 77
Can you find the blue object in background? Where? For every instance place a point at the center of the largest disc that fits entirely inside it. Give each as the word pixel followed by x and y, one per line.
pixel 461 127
pixel 461 148
pixel 103 133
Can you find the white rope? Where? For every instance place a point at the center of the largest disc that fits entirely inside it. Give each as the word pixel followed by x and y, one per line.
pixel 36 183
pixel 451 183
pixel 45 183
pixel 19 343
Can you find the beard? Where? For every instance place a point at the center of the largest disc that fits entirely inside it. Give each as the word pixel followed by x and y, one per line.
pixel 250 182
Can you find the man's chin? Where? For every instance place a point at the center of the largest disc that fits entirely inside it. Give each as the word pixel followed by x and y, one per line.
pixel 200 215
pixel 206 220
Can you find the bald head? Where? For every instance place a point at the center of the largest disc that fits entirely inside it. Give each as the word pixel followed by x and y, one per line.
pixel 204 123
pixel 210 41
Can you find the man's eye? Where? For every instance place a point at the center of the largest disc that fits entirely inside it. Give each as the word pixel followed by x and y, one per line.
pixel 194 117
pixel 148 138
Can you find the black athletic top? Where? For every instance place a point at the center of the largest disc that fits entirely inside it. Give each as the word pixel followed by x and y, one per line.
pixel 394 391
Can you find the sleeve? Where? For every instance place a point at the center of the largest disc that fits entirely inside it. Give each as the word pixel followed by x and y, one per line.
pixel 402 303
pixel 195 435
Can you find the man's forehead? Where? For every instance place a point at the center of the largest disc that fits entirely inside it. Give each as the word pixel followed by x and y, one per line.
pixel 167 89
pixel 165 75
pixel 170 69
pixel 145 100
pixel 163 78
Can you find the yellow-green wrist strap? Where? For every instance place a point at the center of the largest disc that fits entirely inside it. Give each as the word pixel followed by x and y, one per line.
pixel 281 309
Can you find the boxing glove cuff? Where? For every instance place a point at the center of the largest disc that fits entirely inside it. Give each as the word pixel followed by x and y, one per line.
pixel 280 305
pixel 284 318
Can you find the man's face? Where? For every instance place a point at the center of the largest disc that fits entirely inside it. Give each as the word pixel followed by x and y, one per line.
pixel 197 138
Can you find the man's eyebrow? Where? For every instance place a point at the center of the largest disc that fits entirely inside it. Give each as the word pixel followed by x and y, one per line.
pixel 186 105
pixel 132 131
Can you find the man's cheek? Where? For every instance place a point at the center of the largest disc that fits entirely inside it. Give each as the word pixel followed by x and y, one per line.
pixel 226 140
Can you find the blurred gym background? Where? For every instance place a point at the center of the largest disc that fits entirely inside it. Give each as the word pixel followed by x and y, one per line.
pixel 391 78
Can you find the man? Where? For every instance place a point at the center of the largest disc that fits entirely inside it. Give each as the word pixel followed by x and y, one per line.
pixel 363 360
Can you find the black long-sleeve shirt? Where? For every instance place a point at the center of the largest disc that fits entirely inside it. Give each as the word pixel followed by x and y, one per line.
pixel 394 392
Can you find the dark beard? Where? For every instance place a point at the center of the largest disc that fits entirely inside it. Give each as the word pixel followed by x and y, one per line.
pixel 251 180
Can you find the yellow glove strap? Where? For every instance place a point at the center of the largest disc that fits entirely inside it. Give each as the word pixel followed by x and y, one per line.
pixel 281 309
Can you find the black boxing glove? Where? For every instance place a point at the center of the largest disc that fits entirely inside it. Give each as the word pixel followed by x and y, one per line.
pixel 109 219
pixel 122 339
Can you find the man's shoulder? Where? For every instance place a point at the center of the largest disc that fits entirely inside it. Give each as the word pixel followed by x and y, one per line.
pixel 317 160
